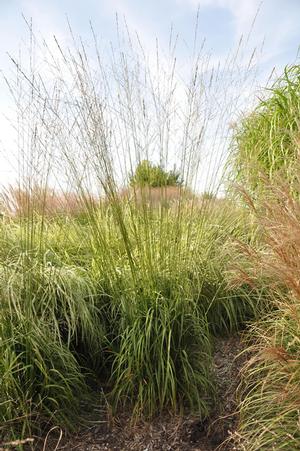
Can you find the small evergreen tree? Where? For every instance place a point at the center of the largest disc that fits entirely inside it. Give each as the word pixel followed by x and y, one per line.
pixel 148 174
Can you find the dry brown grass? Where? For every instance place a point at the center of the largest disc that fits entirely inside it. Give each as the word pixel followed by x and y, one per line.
pixel 156 196
pixel 16 202
pixel 270 392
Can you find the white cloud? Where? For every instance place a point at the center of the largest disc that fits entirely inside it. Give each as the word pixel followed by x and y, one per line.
pixel 243 11
pixel 275 20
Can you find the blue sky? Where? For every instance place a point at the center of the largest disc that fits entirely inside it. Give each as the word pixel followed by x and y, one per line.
pixel 221 23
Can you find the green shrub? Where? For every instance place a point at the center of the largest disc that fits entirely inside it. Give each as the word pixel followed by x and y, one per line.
pixel 148 174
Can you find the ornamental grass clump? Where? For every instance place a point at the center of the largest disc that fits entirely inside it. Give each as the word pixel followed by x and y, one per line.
pixel 123 288
pixel 269 392
pixel 47 313
pixel 267 140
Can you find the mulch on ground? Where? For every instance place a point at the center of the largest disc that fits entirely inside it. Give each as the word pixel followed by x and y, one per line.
pixel 168 433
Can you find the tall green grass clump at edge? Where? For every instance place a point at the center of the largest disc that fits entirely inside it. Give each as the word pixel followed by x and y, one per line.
pixel 267 140
pixel 269 392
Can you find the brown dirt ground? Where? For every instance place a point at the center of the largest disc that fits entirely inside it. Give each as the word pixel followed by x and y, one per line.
pixel 169 433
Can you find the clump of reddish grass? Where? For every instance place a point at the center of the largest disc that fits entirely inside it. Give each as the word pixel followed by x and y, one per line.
pixel 270 391
pixel 17 201
pixel 156 196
